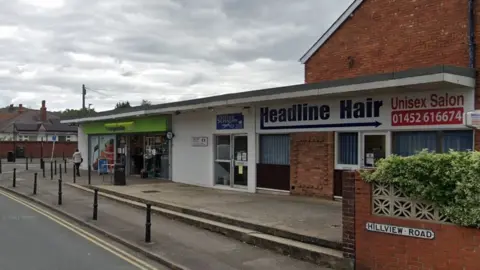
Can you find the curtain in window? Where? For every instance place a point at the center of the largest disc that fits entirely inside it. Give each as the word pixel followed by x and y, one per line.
pixel 348 148
pixel 458 140
pixel 410 143
pixel 275 149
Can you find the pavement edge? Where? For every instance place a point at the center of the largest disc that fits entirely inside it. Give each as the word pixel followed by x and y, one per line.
pixel 97 229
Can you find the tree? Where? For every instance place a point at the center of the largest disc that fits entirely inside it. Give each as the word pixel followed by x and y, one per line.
pixel 123 104
pixel 73 113
pixel 146 103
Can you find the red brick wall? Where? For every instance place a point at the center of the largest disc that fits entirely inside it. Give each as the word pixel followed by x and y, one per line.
pixel 387 36
pixel 453 248
pixel 34 148
pixel 311 164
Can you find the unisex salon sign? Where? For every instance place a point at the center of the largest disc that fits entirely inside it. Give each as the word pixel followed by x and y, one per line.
pixel 370 112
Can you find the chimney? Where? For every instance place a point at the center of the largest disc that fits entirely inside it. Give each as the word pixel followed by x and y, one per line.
pixel 43 112
pixel 20 108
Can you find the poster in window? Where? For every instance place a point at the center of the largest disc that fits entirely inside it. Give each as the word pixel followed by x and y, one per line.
pixel 103 147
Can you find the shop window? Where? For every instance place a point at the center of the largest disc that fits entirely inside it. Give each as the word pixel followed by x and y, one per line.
pixel 410 143
pixel 347 148
pixel 275 149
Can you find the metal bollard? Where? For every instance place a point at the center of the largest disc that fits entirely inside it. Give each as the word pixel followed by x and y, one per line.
pixel 65 164
pixel 89 175
pixel 60 170
pixel 42 163
pixel 14 177
pixel 55 167
pixel 43 169
pixel 0 165
pixel 74 174
pixel 35 184
pixel 95 204
pixel 31 158
pixel 26 163
pixel 51 170
pixel 59 191
pixel 148 224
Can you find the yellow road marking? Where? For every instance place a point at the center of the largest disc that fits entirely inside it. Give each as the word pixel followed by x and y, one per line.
pixel 92 238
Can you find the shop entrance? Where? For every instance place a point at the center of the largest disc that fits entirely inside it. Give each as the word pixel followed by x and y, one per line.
pixel 231 160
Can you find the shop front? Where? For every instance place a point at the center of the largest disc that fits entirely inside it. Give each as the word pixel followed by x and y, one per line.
pixel 139 144
pixel 305 144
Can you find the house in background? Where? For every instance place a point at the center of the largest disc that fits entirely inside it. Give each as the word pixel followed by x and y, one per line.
pixel 34 125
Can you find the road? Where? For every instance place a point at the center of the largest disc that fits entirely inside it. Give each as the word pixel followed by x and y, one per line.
pixel 33 238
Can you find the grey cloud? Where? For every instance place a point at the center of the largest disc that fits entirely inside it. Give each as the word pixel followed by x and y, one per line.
pixel 159 50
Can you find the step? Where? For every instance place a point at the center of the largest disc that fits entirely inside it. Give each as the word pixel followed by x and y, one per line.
pixel 232 221
pixel 323 256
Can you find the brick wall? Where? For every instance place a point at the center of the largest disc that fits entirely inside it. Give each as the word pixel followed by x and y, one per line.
pixel 454 247
pixel 386 36
pixel 34 148
pixel 311 164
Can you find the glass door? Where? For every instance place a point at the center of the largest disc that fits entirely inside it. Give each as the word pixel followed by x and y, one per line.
pixel 240 162
pixel 223 160
pixel 231 160
pixel 374 147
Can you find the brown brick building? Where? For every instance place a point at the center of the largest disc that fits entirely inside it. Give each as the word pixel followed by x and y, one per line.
pixel 375 37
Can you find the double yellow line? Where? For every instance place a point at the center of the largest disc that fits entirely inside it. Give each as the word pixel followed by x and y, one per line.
pixel 90 237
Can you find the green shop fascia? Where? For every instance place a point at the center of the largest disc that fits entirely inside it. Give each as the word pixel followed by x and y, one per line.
pixel 138 143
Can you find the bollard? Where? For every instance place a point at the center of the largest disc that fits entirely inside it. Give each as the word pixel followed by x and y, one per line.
pixel 55 167
pixel 43 169
pixel 42 163
pixel 74 174
pixel 0 165
pixel 95 203
pixel 63 155
pixel 14 177
pixel 60 170
pixel 59 191
pixel 148 224
pixel 31 158
pixel 35 184
pixel 51 170
pixel 89 175
pixel 65 165
pixel 26 163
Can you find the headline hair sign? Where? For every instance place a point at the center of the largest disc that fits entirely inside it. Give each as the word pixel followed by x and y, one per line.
pixel 394 111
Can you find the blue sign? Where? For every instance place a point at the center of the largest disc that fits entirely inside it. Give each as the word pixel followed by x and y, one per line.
pixel 54 137
pixel 230 121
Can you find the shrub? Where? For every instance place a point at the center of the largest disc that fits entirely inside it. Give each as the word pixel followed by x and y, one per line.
pixel 450 181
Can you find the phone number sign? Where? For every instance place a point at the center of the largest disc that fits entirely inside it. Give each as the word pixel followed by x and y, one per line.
pixel 428 111
pixel 448 116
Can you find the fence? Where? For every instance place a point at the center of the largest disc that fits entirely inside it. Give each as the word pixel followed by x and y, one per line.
pixel 34 149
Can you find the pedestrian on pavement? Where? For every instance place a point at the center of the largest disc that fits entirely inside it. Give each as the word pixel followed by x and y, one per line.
pixel 77 159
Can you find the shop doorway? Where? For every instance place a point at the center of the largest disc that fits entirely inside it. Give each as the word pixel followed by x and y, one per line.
pixel 375 147
pixel 231 160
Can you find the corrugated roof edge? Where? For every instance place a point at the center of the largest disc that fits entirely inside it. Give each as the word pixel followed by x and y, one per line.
pixel 462 71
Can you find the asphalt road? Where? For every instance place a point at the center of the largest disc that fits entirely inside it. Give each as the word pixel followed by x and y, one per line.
pixel 32 240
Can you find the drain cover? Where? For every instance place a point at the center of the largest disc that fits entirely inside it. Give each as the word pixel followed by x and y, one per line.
pixel 150 191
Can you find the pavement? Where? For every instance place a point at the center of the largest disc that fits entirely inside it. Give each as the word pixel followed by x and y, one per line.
pixel 185 246
pixel 31 240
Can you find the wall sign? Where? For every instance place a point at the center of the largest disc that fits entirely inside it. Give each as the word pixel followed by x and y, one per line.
pixel 392 111
pixel 397 230
pixel 230 121
pixel 199 141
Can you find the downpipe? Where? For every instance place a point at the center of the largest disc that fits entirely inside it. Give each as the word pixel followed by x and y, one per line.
pixel 471 33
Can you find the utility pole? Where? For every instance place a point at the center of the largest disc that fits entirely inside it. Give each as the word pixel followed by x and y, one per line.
pixel 84 93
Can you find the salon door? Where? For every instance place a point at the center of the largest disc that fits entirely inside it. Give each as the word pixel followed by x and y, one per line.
pixel 240 160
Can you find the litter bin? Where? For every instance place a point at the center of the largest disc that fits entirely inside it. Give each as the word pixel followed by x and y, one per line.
pixel 20 152
pixel 119 175
pixel 10 156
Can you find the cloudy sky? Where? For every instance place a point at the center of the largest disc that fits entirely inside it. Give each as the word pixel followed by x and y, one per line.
pixel 160 50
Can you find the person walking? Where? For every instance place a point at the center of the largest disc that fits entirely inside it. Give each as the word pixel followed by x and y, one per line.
pixel 77 159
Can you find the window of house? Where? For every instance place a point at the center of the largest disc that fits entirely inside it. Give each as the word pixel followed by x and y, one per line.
pixel 347 148
pixel 275 149
pixel 68 138
pixel 410 143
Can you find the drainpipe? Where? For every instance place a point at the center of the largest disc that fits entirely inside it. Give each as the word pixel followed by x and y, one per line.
pixel 471 33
